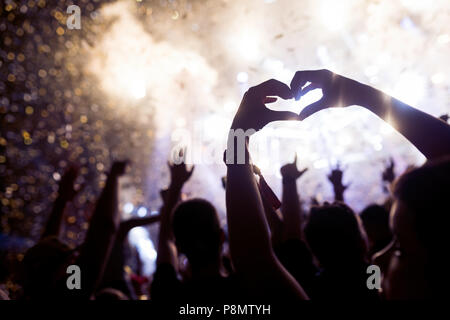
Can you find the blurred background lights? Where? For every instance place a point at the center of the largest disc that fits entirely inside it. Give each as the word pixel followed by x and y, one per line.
pixel 142 212
pixel 410 88
pixel 128 208
pixel 334 14
pixel 142 77
pixel 139 237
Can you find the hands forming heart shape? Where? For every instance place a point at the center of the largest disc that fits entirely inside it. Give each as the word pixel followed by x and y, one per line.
pixel 337 90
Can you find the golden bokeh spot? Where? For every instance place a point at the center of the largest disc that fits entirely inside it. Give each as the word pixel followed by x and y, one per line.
pixel 59 31
pixel 29 110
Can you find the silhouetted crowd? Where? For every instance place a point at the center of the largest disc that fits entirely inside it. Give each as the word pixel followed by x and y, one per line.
pixel 272 251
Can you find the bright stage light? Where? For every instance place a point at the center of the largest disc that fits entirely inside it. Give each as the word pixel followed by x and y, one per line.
pixel 195 70
pixel 410 88
pixel 137 89
pixel 142 212
pixel 242 77
pixel 334 14
pixel 245 43
pixel 128 208
pixel 140 238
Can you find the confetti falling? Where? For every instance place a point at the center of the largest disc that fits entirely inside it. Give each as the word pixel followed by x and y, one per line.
pixel 141 77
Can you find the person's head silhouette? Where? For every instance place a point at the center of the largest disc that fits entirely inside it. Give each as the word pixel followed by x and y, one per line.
pixel 197 232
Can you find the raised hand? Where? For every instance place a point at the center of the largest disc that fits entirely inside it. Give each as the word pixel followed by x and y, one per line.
pixel 337 90
pixel 118 168
pixel 250 241
pixel 66 193
pixel 163 194
pixel 388 173
pixel 290 172
pixel 335 177
pixel 66 186
pixel 179 173
pixel 418 127
pixel 253 113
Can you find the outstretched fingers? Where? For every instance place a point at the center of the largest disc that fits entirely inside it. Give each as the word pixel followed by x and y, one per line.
pixel 302 77
pixel 272 87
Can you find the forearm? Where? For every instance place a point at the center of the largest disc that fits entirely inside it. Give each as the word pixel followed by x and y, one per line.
pixel 248 229
pixel 53 226
pixel 100 236
pixel 250 246
pixel 429 135
pixel 339 193
pixel 166 246
pixel 291 210
pixel 247 225
pixel 275 223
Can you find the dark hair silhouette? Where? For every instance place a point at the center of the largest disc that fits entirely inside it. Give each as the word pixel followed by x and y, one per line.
pixel 197 231
pixel 334 235
pixel 425 193
pixel 375 219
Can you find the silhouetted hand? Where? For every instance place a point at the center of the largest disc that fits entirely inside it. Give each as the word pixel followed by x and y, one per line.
pixel 118 168
pixel 179 173
pixel 314 201
pixel 256 170
pixel 163 194
pixel 66 186
pixel 224 182
pixel 337 90
pixel 290 172
pixel 388 173
pixel 253 113
pixel 335 177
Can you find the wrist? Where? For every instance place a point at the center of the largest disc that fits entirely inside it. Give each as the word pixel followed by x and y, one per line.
pixel 176 185
pixel 372 99
pixel 288 180
pixel 237 150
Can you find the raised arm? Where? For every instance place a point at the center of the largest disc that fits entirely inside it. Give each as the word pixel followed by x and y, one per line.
pixel 291 208
pixel 428 134
pixel 179 175
pixel 101 233
pixel 250 246
pixel 66 193
pixel 114 275
pixel 335 177
pixel 127 225
pixel 271 205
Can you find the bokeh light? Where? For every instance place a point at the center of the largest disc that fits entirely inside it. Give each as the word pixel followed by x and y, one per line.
pixel 142 77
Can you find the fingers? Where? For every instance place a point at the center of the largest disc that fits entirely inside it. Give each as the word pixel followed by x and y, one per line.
pixel 308 88
pixel 295 159
pixel 272 87
pixel 256 170
pixel 269 100
pixel 313 108
pixel 392 165
pixel 281 116
pixel 302 77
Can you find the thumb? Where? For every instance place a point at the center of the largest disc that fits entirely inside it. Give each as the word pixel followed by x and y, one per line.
pixel 282 115
pixel 312 108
